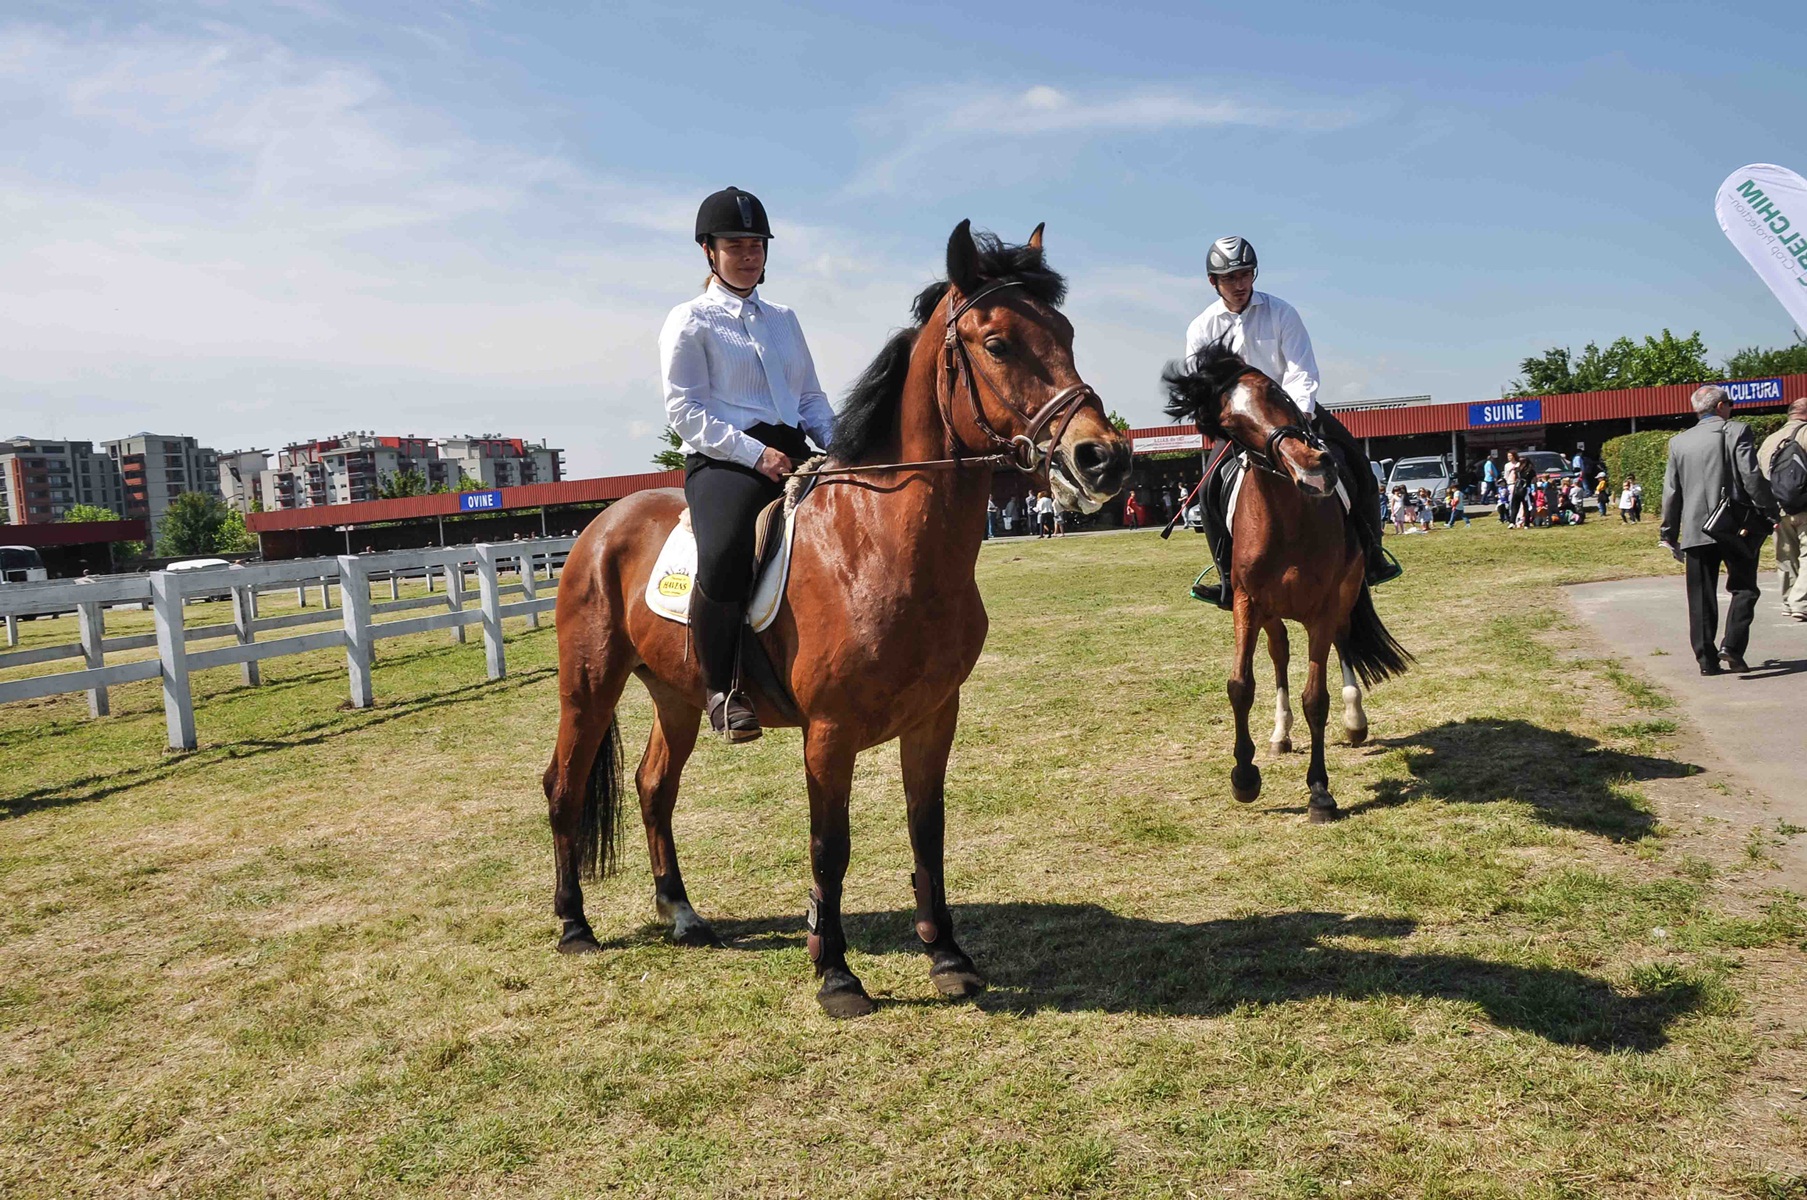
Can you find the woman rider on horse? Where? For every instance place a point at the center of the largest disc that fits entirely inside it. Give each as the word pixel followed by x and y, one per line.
pixel 741 392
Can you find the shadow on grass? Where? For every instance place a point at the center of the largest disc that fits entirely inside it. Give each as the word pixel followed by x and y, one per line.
pixel 1570 780
pixel 174 765
pixel 1083 957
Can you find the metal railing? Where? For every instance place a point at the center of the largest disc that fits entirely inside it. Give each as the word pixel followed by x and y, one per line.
pixel 537 565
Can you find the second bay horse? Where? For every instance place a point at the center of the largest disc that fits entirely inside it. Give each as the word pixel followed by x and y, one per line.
pixel 883 620
pixel 1296 557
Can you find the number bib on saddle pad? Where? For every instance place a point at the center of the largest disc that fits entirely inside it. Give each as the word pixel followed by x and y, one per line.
pixel 674 572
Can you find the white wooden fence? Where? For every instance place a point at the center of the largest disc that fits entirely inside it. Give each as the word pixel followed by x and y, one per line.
pixel 536 564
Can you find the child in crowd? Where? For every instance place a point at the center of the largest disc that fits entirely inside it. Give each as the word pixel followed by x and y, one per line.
pixel 1631 495
pixel 1402 509
pixel 1426 509
pixel 1457 498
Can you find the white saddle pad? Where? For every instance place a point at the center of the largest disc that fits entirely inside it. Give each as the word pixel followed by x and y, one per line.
pixel 668 588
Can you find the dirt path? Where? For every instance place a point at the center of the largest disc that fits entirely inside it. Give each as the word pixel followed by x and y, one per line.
pixel 1753 724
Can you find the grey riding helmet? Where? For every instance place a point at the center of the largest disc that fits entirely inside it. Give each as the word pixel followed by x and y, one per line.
pixel 1230 254
pixel 731 213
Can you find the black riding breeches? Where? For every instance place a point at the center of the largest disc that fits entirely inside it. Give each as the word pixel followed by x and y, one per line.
pixel 1365 499
pixel 725 500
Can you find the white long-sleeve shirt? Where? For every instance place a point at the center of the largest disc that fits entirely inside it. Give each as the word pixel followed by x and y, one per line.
pixel 1270 337
pixel 728 363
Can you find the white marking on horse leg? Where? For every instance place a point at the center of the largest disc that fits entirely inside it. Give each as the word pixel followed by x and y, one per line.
pixel 1355 719
pixel 683 918
pixel 1283 721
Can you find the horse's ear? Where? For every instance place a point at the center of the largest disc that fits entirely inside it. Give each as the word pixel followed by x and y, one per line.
pixel 1035 239
pixel 963 259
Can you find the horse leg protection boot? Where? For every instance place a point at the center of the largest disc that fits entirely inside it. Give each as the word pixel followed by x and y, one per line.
pixel 715 628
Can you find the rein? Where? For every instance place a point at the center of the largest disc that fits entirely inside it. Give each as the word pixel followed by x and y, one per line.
pixel 1022 451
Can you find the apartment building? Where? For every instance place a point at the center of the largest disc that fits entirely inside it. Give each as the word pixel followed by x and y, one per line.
pixel 241 479
pixel 156 468
pixel 41 480
pixel 496 461
pixel 353 466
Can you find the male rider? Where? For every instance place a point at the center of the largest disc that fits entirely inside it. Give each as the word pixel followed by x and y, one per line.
pixel 1267 332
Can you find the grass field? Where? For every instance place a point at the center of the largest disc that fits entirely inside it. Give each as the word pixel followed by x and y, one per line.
pixel 314 957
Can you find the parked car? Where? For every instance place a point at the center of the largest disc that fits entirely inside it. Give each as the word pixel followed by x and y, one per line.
pixel 1544 462
pixel 203 564
pixel 1435 474
pixel 21 564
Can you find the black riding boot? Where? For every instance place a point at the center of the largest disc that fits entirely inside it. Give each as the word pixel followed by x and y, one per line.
pixel 1218 538
pixel 715 629
pixel 1364 496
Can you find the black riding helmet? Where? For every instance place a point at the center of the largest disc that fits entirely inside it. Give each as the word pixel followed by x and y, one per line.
pixel 731 213
pixel 1230 254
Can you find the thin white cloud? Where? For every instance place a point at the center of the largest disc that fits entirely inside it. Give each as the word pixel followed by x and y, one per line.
pixel 917 128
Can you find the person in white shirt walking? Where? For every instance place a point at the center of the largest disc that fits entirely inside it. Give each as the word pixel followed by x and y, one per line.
pixel 1267 333
pixel 741 392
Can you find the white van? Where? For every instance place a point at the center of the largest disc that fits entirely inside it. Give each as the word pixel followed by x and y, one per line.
pixel 21 564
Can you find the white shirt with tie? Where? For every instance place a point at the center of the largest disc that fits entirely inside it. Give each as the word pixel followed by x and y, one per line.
pixel 1270 337
pixel 729 362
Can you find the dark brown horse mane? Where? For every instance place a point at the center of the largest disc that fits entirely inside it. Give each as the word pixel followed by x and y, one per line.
pixel 871 402
pixel 1195 389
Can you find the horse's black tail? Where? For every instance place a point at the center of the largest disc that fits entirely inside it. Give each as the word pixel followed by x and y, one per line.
pixel 1368 648
pixel 599 829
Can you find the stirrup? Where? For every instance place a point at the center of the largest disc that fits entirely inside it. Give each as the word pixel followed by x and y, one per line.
pixel 1211 593
pixel 1389 571
pixel 731 715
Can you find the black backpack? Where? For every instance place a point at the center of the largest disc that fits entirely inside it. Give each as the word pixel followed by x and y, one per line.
pixel 1788 472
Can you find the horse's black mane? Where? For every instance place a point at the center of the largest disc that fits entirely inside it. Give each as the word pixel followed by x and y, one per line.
pixel 865 415
pixel 1196 387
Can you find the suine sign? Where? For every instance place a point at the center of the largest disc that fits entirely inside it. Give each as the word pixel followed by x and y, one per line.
pixel 1506 412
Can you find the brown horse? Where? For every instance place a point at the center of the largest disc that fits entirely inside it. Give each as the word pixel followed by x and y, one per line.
pixel 882 622
pixel 1296 558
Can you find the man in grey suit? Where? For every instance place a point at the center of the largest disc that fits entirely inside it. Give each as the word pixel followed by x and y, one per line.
pixel 1698 476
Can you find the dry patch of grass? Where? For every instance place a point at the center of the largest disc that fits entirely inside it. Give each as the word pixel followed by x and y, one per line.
pixel 314 956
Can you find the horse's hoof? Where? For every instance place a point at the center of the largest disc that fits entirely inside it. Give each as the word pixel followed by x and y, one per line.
pixel 583 944
pixel 1324 811
pixel 1356 737
pixel 1283 746
pixel 957 981
pixel 845 999
pixel 1245 784
pixel 697 933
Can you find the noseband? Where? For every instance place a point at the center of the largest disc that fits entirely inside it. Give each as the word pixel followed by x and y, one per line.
pixel 1268 457
pixel 1024 450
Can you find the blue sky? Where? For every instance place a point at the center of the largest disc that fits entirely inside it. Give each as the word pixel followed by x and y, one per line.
pixel 258 223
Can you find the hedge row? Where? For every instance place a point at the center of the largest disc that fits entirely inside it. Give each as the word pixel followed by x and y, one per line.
pixel 1646 454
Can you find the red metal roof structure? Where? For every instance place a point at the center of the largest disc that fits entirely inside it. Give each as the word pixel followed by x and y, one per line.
pixel 446 504
pixel 74 533
pixel 1373 422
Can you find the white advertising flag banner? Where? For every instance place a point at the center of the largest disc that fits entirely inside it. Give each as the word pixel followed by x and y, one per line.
pixel 1763 210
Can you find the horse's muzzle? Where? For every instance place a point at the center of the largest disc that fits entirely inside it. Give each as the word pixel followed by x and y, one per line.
pixel 1101 468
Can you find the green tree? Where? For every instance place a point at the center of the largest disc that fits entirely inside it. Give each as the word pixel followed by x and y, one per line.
pixel 192 525
pixel 84 513
pixel 1623 364
pixel 1118 421
pixel 396 484
pixel 1755 363
pixel 672 457
pixel 234 537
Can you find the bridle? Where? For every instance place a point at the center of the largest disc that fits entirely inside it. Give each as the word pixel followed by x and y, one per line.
pixel 1268 457
pixel 1022 451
